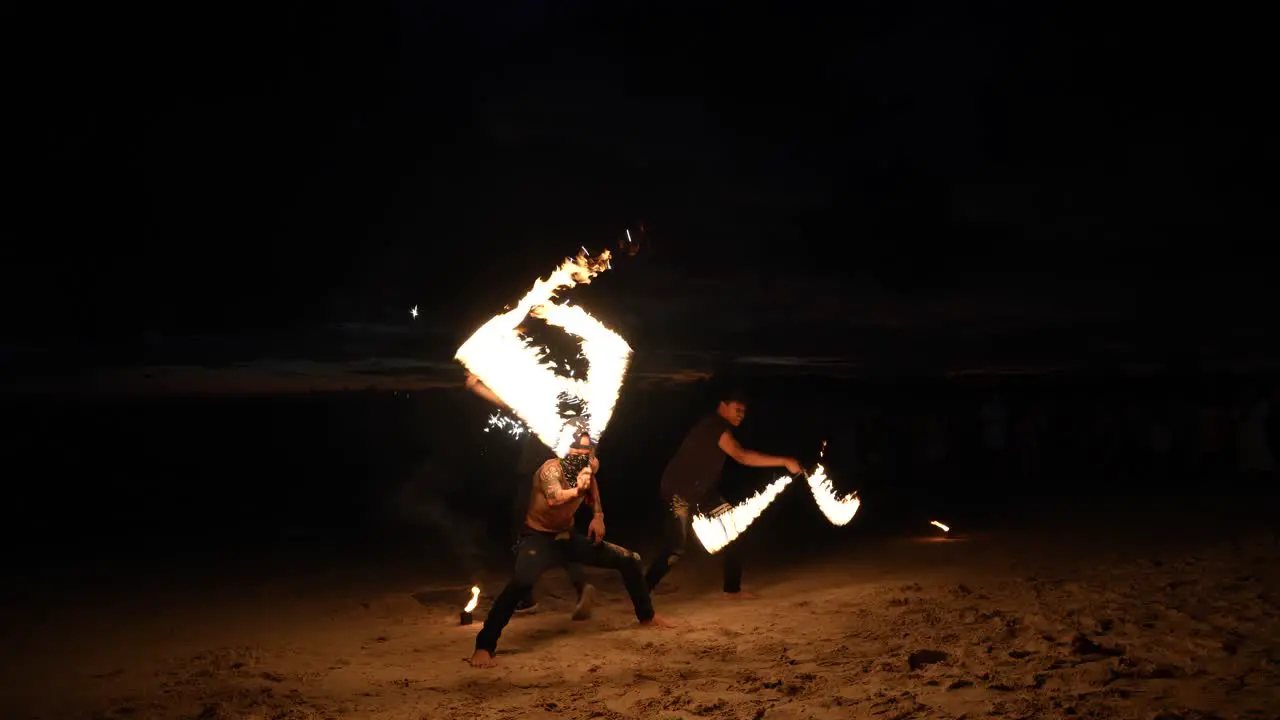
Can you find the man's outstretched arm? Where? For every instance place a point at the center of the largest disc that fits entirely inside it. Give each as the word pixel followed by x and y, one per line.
pixel 549 484
pixel 477 386
pixel 731 447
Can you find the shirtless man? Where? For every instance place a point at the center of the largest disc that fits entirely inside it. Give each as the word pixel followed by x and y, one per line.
pixel 532 454
pixel 549 538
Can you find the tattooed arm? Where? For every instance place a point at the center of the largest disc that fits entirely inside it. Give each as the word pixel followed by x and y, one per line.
pixel 549 482
pixel 595 489
pixel 595 532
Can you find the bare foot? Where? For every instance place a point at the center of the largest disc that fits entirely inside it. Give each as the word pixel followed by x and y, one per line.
pixel 657 621
pixel 482 659
pixel 740 595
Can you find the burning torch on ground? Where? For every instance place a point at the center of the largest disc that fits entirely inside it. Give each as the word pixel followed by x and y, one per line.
pixel 466 617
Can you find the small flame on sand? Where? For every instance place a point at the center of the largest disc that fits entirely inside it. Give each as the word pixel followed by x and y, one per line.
pixel 839 510
pixel 724 524
pixel 937 524
pixel 475 600
pixel 518 371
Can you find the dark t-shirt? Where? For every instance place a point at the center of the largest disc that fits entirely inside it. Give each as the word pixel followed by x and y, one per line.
pixel 694 471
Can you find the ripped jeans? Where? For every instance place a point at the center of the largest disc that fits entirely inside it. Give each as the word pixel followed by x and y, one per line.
pixel 676 537
pixel 576 577
pixel 537 552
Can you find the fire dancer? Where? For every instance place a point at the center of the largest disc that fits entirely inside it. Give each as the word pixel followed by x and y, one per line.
pixel 532 455
pixel 690 485
pixel 549 538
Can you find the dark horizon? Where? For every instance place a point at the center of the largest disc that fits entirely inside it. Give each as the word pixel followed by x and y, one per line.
pixel 332 464
pixel 926 190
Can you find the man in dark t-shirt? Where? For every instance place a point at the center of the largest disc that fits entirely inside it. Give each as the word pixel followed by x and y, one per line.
pixel 691 482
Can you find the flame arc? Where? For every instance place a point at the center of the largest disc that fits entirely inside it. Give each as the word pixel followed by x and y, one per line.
pixel 724 524
pixel 475 600
pixel 839 510
pixel 519 372
pixel 720 527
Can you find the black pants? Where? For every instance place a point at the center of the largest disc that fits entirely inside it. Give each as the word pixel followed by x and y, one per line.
pixel 523 483
pixel 676 537
pixel 539 551
pixel 576 576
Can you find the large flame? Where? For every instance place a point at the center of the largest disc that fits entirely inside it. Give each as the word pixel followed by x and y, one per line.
pixel 518 372
pixel 724 524
pixel 839 510
pixel 608 356
pixel 475 600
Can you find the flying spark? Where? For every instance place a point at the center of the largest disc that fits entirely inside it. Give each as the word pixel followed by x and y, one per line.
pixel 511 425
pixel 414 311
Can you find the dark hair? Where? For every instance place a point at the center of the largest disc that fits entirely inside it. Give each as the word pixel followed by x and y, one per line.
pixel 733 395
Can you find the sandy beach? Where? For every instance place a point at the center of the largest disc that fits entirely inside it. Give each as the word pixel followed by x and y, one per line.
pixel 1037 621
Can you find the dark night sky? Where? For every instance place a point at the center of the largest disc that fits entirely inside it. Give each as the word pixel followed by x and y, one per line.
pixel 280 184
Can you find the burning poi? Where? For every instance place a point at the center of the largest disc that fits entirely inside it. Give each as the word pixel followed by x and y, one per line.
pixel 839 510
pixel 723 525
pixel 518 371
